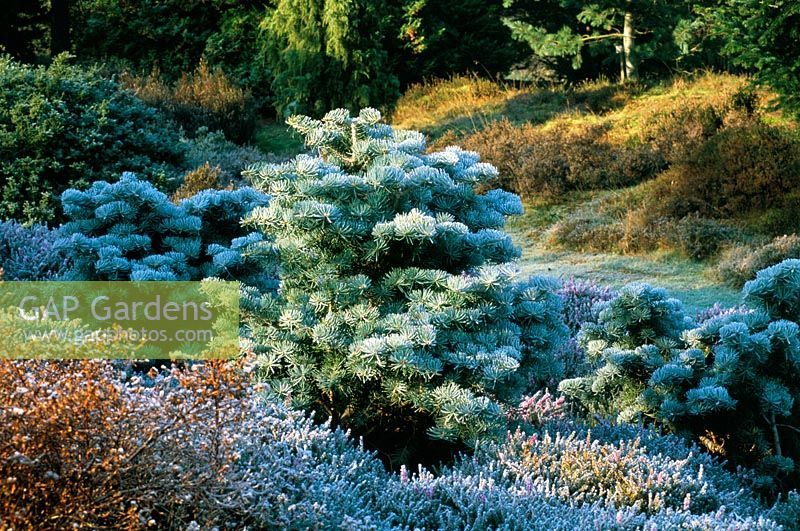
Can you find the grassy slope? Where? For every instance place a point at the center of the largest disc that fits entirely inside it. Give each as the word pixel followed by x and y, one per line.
pixel 685 279
pixel 463 105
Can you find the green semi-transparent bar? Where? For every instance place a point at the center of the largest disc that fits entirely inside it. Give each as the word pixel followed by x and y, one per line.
pixel 119 320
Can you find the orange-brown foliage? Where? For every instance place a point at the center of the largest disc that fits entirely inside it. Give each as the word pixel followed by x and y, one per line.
pixel 84 447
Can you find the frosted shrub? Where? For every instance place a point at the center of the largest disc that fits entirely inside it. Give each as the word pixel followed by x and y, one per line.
pixel 398 311
pixel 580 298
pixel 130 230
pixel 29 253
pixel 89 446
pixel 731 382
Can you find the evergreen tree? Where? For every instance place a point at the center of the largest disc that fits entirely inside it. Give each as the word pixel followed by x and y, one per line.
pixel 621 32
pixel 438 38
pixel 328 53
pixel 762 37
pixel 23 25
pixel 397 311
pixel 731 382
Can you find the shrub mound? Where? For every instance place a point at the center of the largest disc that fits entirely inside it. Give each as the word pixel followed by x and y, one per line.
pixel 740 263
pixel 730 382
pixel 535 162
pixel 204 98
pixel 63 126
pixel 128 230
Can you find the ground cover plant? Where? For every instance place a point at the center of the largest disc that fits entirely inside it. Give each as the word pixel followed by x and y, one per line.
pixel 30 253
pixel 92 444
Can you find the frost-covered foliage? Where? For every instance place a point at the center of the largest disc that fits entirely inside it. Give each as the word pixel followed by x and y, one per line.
pixel 29 253
pixel 213 148
pixel 731 382
pixel 580 298
pixel 130 230
pixel 398 312
pixel 717 310
pixel 64 126
pixel 89 446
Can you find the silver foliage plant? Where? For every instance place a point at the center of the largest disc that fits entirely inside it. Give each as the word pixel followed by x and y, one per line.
pixel 399 310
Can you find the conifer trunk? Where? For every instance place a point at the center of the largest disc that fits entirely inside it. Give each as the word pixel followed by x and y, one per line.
pixel 629 71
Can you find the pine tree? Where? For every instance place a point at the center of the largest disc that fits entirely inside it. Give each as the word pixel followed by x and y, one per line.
pixel 621 31
pixel 398 310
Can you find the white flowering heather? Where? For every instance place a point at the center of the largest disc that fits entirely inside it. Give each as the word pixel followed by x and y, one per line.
pixel 398 311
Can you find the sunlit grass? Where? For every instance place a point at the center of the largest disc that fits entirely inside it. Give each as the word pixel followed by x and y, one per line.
pixel 691 281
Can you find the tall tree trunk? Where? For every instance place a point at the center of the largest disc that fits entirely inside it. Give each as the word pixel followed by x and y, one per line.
pixel 59 26
pixel 627 47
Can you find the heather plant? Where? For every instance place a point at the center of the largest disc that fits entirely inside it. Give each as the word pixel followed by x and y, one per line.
pixel 30 253
pixel 204 98
pixel 64 126
pixel 730 382
pixel 717 310
pixel 213 148
pixel 201 178
pixel 398 313
pixel 130 230
pixel 569 360
pixel 580 298
pixel 740 263
pixel 534 161
pixel 88 444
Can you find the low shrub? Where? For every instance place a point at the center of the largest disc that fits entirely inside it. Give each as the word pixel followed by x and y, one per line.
pixel 64 126
pixel 746 168
pixel 202 178
pixel 579 298
pixel 624 222
pixel 535 161
pixel 699 238
pixel 730 382
pixel 204 98
pixel 213 148
pixel 83 448
pixel 30 253
pixel 740 263
pixel 130 230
